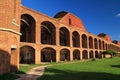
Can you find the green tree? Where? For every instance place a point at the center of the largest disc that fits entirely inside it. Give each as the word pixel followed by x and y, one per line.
pixel 111 52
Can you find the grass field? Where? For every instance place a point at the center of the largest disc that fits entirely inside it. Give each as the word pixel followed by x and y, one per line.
pixel 101 69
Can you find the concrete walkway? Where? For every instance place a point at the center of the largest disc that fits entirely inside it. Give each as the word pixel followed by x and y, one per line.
pixel 33 74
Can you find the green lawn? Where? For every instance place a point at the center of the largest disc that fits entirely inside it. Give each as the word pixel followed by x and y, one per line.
pixel 101 69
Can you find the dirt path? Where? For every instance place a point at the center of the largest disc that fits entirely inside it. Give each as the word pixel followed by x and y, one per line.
pixel 33 74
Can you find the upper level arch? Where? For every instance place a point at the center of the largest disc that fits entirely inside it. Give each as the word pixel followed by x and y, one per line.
pixel 84 41
pixel 90 42
pixel 27 28
pixel 64 36
pixel 48 33
pixel 76 39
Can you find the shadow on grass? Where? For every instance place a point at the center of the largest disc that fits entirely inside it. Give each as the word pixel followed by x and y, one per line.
pixel 8 76
pixel 117 66
pixel 54 74
pixel 11 75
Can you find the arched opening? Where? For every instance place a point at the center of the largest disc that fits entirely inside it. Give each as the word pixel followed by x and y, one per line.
pixel 103 45
pixel 85 54
pixel 95 43
pixel 27 55
pixel 4 62
pixel 84 41
pixel 27 28
pixel 76 39
pixel 91 54
pixel 64 37
pixel 100 55
pixel 90 42
pixel 100 44
pixel 64 55
pixel 48 55
pixel 96 54
pixel 76 55
pixel 48 33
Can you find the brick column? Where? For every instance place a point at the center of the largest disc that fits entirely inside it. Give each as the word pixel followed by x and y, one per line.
pixel 94 54
pixel 37 56
pixel 57 55
pixel 71 42
pixel 80 55
pixel 38 32
pixel 81 47
pixel 71 55
pixel 57 36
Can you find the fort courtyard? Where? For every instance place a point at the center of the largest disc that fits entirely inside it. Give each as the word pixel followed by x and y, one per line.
pixel 30 37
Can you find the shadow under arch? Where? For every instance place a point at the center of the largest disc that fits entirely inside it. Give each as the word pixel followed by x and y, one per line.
pixel 48 54
pixel 27 28
pixel 64 55
pixel 27 55
pixel 48 33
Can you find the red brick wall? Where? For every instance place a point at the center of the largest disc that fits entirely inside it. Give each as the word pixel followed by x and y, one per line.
pixel 75 21
pixel 9 33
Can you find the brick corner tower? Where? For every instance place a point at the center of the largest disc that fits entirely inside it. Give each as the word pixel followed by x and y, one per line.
pixel 9 35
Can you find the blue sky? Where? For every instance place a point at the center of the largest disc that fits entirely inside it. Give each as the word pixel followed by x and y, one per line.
pixel 98 16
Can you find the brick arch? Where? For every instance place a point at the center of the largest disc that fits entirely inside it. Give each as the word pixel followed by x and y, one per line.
pixel 48 33
pixel 4 62
pixel 28 25
pixel 91 54
pixel 64 36
pixel 85 54
pixel 48 54
pixel 64 54
pixel 75 39
pixel 96 54
pixel 95 43
pixel 76 54
pixel 84 40
pixel 67 27
pixel 103 45
pixel 90 42
pixel 27 55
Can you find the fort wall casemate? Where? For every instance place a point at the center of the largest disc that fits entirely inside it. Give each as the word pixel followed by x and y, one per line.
pixel 30 37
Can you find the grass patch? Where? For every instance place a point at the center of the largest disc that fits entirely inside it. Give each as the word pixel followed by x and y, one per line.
pixel 8 76
pixel 101 69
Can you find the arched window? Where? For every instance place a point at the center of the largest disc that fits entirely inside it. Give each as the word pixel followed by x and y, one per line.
pixel 27 55
pixel 76 39
pixel 90 42
pixel 48 33
pixel 84 41
pixel 64 37
pixel 76 55
pixel 27 28
pixel 48 55
pixel 64 55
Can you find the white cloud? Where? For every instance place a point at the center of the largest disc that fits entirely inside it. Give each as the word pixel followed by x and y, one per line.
pixel 118 15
